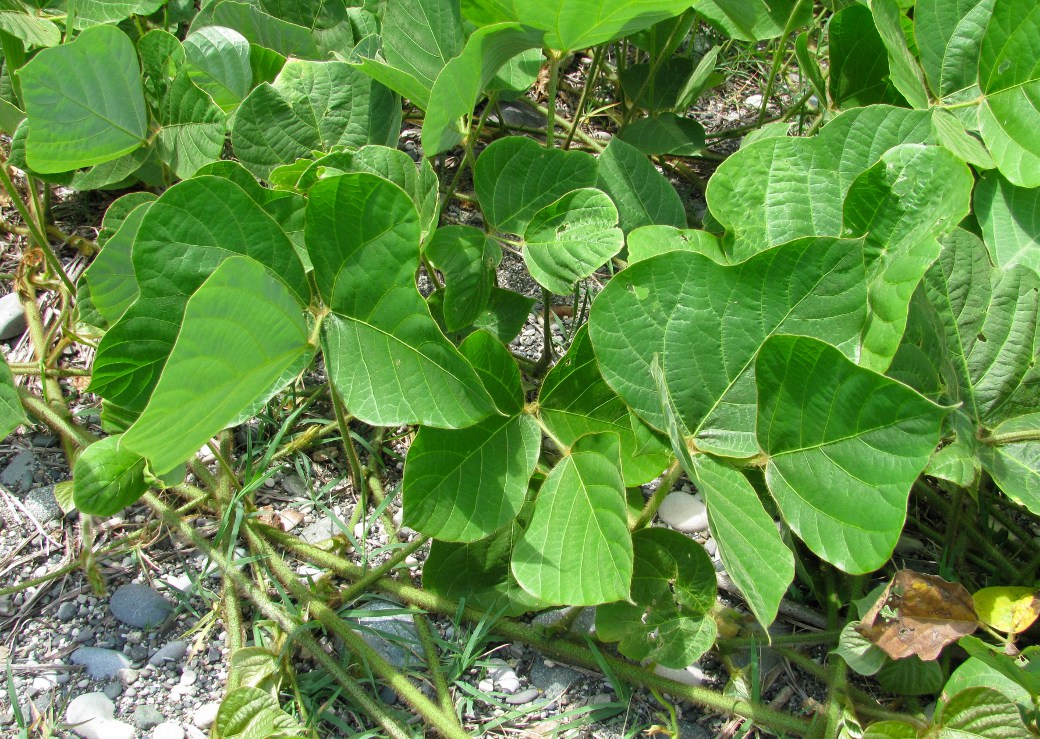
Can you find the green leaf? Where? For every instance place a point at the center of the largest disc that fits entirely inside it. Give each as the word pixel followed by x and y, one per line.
pixel 979 712
pixel 479 573
pixel 974 673
pixel 949 34
pixel 218 63
pixel 577 549
pixel 990 317
pixel 11 413
pixel 1015 466
pixel 1010 221
pixel 755 556
pixel 570 239
pixel 97 12
pixel 906 76
pixel 108 477
pixel 260 28
pixel 110 277
pixel 950 133
pixel 1009 76
pixel 910 676
pixel 649 241
pixel 901 206
pixel 515 177
pixel 464 484
pixel 243 337
pixel 663 90
pixel 706 322
pixel 460 83
pixel 312 106
pixel 252 713
pixel 890 730
pixel 844 444
pixel 183 237
pixel 365 272
pixel 642 194
pixel 780 189
pixel 1007 666
pixel 420 37
pixel 673 593
pixel 754 20
pixel 505 314
pixel 859 653
pixel 665 134
pixel 859 72
pixel 115 173
pixel 193 128
pixel 31 30
pixel 468 259
pixel 84 101
pixel 574 400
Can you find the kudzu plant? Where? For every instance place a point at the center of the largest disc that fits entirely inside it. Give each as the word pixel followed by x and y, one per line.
pixel 855 318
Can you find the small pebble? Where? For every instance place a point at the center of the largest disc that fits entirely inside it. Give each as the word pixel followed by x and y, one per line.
pixel 168 730
pixel 387 695
pixel 486 686
pixel 113 690
pixel 67 611
pixel 147 716
pixel 170 652
pixel 188 678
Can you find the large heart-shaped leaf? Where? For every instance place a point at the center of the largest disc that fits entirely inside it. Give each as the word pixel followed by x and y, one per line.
pixel 464 484
pixel 110 277
pixel 574 400
pixel 1010 220
pixel 642 194
pixel 754 20
pixel 95 12
pixel 673 593
pixel 383 350
pixel 577 549
pixel 463 79
pixel 193 128
pixel 312 106
pixel 949 34
pixel 859 71
pixel 1009 76
pixel 263 29
pixel 84 101
pixel 468 259
pixel 243 338
pixel 706 321
pixel 906 75
pixel 1014 463
pixel 844 444
pixel 514 178
pixel 183 237
pixel 570 239
pixel 218 62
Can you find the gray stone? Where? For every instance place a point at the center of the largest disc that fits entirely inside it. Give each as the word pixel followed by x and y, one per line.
pixel 690 730
pixel 387 695
pixel 45 441
pixel 84 636
pixel 90 716
pixel 585 623
pixel 67 611
pixel 138 605
pixel 18 474
pixel 393 637
pixel 295 486
pixel 147 716
pixel 168 730
pixel 100 663
pixel 320 530
pixel 113 690
pixel 127 675
pixel 42 505
pixel 524 696
pixel 12 317
pixel 552 680
pixel 172 651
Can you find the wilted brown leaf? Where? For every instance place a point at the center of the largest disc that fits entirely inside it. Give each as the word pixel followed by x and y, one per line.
pixel 919 614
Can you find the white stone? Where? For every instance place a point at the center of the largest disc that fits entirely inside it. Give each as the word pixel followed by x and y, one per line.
pixel 509 683
pixel 711 546
pixel 684 512
pixel 168 730
pixel 754 101
pixel 90 716
pixel 188 677
pixel 205 715
pixel 485 686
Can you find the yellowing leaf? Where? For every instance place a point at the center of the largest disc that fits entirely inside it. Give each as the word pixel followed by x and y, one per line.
pixel 1008 609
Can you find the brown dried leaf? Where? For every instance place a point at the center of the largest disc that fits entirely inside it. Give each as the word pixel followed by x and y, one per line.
pixel 919 614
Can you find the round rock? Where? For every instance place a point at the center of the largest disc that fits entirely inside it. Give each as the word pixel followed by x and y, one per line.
pixel 100 663
pixel 524 696
pixel 173 651
pixel 205 715
pixel 138 605
pixel 12 317
pixel 91 718
pixel 168 730
pixel 684 512
pixel 147 716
